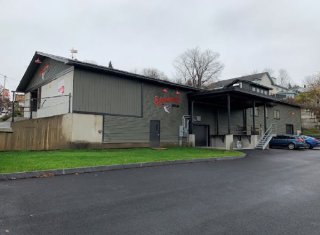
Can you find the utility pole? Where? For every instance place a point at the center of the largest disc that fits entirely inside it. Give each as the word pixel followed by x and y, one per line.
pixel 13 101
pixel 4 81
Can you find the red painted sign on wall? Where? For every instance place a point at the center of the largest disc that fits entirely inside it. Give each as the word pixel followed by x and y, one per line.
pixel 44 70
pixel 158 101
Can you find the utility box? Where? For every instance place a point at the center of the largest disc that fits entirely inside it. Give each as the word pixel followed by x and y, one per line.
pixel 183 132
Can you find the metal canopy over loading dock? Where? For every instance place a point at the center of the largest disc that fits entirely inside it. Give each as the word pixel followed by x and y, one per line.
pixel 229 101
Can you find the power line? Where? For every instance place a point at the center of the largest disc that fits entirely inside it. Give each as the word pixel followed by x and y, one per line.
pixel 11 79
pixel 3 75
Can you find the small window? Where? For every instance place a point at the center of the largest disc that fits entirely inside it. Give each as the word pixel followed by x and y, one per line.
pixel 276 114
pixel 253 88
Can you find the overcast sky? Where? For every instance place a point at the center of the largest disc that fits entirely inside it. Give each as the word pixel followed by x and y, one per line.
pixel 249 34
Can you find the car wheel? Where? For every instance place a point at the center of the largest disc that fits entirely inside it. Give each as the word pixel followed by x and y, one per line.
pixel 309 146
pixel 291 146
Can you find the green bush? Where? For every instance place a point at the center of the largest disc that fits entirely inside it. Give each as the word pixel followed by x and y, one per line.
pixel 311 132
pixel 5 117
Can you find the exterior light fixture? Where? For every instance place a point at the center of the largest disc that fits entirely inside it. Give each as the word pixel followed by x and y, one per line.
pixel 38 61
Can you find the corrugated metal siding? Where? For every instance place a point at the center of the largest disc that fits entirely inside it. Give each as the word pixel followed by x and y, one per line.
pixel 55 67
pixel 288 115
pixel 207 113
pixel 208 117
pixel 134 129
pixel 99 93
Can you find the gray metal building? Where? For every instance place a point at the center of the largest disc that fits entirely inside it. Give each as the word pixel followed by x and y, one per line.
pixel 117 108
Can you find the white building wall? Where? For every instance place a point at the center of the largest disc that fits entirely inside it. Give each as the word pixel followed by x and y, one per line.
pixel 54 101
pixel 82 128
pixel 265 81
pixel 87 128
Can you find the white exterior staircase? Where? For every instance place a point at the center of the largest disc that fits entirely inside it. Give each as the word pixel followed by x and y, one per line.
pixel 265 139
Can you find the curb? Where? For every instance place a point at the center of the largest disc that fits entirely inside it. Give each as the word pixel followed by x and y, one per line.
pixel 49 173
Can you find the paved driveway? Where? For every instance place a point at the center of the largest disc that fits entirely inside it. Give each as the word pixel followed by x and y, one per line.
pixel 270 192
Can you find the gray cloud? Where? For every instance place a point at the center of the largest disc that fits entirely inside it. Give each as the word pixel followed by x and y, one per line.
pixel 249 35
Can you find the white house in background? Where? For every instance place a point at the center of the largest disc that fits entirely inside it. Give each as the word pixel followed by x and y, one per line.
pixel 279 91
pixel 263 79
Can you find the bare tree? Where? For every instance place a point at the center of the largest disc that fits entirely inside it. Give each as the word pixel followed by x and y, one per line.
pixel 255 71
pixel 284 78
pixel 270 71
pixel 154 73
pixel 313 81
pixel 198 68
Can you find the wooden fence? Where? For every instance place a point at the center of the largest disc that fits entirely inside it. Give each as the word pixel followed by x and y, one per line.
pixel 35 134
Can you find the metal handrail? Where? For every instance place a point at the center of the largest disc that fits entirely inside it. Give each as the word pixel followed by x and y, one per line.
pixel 268 133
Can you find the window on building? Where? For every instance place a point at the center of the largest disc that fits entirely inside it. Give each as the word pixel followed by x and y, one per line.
pixel 289 129
pixel 276 114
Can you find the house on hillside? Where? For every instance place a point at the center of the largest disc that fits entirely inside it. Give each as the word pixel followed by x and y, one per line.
pixel 263 79
pixel 20 102
pixel 93 105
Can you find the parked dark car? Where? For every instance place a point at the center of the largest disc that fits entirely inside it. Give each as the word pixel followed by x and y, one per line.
pixel 310 141
pixel 288 141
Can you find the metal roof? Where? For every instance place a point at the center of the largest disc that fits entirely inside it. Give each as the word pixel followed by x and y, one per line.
pixel 93 67
pixel 245 94
pixel 249 82
pixel 196 92
pixel 248 78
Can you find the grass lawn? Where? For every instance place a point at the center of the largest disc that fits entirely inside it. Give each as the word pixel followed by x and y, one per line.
pixel 23 161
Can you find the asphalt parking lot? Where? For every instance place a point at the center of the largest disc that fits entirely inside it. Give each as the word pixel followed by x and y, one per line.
pixel 269 192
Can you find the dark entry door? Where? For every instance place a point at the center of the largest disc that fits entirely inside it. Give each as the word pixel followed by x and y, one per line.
pixel 154 133
pixel 289 129
pixel 201 135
